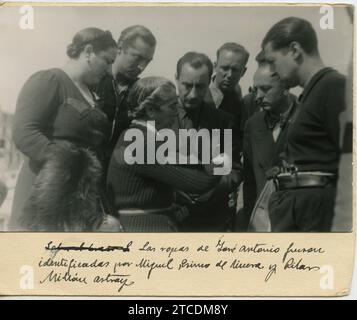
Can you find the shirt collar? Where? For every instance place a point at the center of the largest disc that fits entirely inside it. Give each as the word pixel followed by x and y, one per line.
pixel 274 120
pixel 122 88
pixel 217 94
pixel 129 82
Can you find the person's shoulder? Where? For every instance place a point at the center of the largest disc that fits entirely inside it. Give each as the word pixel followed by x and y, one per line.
pixel 225 115
pixel 134 81
pixel 212 110
pixel 219 115
pixel 255 119
pixel 131 84
pixel 334 74
pixel 249 104
pixel 238 91
pixel 333 87
pixel 134 130
pixel 208 104
pixel 237 95
pixel 44 80
pixel 334 78
pixel 106 79
pixel 120 146
pixel 48 74
pixel 104 86
pixel 208 99
pixel 248 98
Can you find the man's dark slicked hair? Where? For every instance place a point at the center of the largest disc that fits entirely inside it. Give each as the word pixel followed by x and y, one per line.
pixel 195 60
pixel 289 30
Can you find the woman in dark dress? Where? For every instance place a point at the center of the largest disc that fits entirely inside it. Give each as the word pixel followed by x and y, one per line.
pixel 60 129
pixel 143 193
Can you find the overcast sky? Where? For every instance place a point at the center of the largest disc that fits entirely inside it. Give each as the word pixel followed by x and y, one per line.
pixel 177 29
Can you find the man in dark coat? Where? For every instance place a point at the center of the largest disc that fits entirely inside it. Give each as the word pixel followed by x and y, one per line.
pixel 194 71
pixel 307 189
pixel 224 91
pixel 250 105
pixel 136 47
pixel 263 136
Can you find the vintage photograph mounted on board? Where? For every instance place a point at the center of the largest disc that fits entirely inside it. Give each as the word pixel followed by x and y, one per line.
pixel 248 137
pixel 128 122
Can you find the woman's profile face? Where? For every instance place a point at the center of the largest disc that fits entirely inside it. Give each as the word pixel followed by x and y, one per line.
pixel 99 64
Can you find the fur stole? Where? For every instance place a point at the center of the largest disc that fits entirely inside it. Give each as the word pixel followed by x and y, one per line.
pixel 66 192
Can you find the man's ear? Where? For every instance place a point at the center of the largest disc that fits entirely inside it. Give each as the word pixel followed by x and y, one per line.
pixel 88 50
pixel 150 111
pixel 296 50
pixel 244 71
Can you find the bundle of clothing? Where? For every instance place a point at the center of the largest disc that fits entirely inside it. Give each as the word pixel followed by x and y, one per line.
pixel 66 192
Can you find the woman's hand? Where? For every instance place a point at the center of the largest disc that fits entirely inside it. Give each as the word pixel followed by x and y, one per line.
pixel 110 224
pixel 222 159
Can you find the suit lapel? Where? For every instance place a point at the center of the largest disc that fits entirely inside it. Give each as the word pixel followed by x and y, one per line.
pixel 264 143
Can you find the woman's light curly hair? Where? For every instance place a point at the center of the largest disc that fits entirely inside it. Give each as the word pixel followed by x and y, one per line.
pixel 149 92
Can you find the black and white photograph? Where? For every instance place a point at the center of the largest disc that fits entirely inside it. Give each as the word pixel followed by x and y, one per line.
pixel 176 119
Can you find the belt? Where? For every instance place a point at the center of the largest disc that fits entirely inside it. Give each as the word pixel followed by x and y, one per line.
pixel 137 211
pixel 304 180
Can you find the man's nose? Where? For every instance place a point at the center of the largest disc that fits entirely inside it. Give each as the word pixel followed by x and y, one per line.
pixel 229 73
pixel 142 65
pixel 259 96
pixel 192 93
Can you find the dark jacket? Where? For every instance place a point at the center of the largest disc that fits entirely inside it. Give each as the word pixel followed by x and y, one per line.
pixel 260 153
pixel 249 107
pixel 50 108
pixel 115 105
pixel 204 117
pixel 212 213
pixel 232 104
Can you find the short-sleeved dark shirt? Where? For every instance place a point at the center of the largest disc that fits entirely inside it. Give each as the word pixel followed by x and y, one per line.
pixel 313 136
